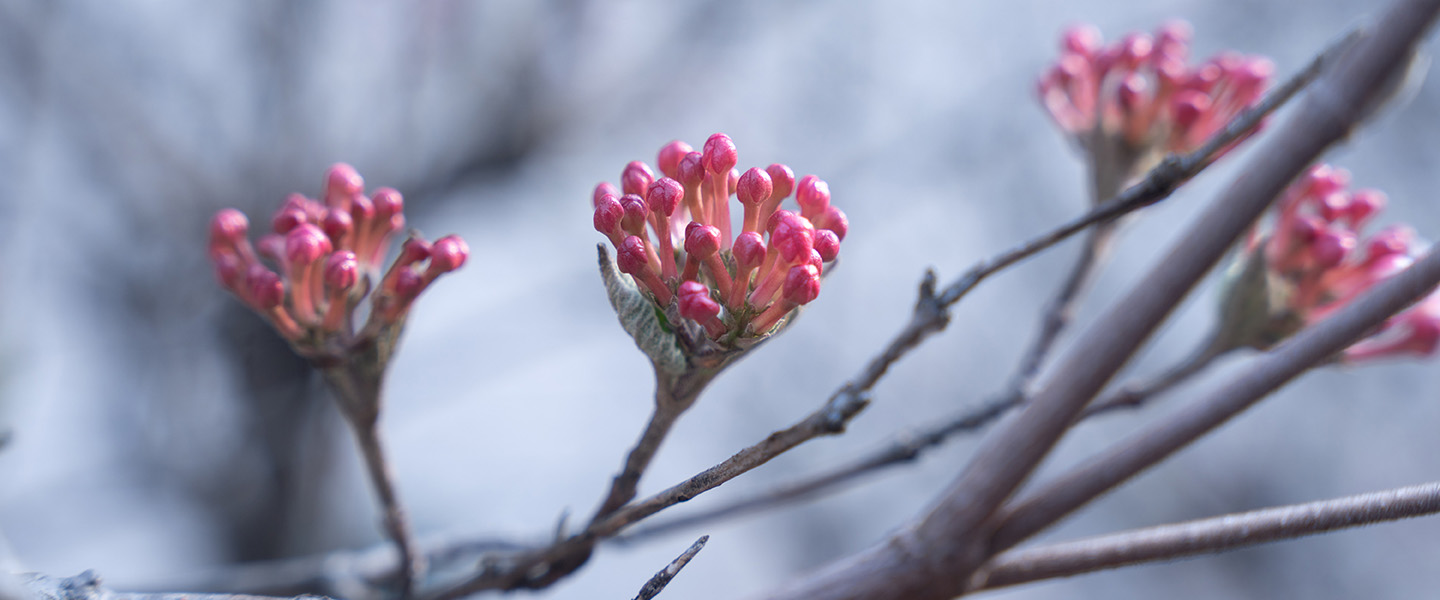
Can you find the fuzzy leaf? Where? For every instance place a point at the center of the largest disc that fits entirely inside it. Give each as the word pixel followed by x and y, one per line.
pixel 637 315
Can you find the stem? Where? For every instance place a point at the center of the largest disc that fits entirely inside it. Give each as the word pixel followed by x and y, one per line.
pixel 673 396
pixel 1201 536
pixel 358 391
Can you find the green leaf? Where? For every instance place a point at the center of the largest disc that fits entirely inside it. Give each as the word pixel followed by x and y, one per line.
pixel 637 314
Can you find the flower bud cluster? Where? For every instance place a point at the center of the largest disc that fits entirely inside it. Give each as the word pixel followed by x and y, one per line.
pixel 1140 89
pixel 327 255
pixel 1316 251
pixel 674 234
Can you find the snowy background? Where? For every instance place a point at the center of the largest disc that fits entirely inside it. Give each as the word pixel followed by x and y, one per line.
pixel 160 428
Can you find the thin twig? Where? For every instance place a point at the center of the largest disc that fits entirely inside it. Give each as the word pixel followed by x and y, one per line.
pixel 397 524
pixel 933 556
pixel 1061 309
pixel 904 449
pixel 1136 393
pixel 358 388
pixel 661 579
pixel 1266 373
pixel 623 487
pixel 1215 534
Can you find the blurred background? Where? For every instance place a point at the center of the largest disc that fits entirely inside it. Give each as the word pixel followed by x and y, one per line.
pixel 160 428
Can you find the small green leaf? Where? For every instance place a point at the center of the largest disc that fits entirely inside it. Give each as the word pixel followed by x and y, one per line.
pixel 640 318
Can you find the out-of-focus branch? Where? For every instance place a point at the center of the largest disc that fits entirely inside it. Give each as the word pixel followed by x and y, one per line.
pixel 934 556
pixel 86 586
pixel 1266 373
pixel 661 579
pixel 1202 536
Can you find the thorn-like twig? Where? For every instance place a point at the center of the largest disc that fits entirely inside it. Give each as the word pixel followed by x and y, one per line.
pixel 661 579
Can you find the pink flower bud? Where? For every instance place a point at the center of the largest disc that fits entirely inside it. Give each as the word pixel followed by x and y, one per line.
pixel 227 268
pixel 702 241
pixel 1395 239
pixel 696 303
pixel 407 286
pixel 388 203
pixel 749 250
pixel 690 288
pixel 813 196
pixel 1364 204
pixel 342 270
pixel 802 284
pixel 691 170
pixel 448 253
pixel 754 187
pixel 664 195
pixel 719 155
pixel 827 244
pixel 630 256
pixel 342 183
pixel 1135 49
pixel 775 219
pixel 1324 179
pixel 362 210
pixel 602 190
pixel 288 218
pixel 834 219
pixel 306 244
pixel 412 251
pixel 1189 107
pixel 782 180
pixel 337 225
pixel 1331 246
pixel 228 227
pixel 608 213
pixel 1083 39
pixel 266 289
pixel 636 178
pixel 1173 38
pixel 670 156
pixel 1133 92
pixel 794 238
pixel 1334 205
pixel 636 211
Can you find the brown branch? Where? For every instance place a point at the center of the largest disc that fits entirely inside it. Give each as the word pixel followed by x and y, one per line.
pixel 1309 347
pixel 661 579
pixel 906 448
pixel 86 586
pixel 934 556
pixel 1203 536
pixel 625 484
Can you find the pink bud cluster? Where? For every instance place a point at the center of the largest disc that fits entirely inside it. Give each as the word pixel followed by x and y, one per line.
pixel 1140 89
pixel 1317 249
pixel 675 235
pixel 328 253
